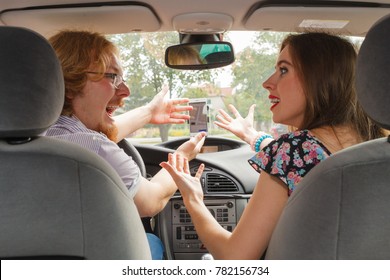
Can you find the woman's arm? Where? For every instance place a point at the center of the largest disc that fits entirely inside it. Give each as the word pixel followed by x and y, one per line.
pixel 153 195
pixel 251 236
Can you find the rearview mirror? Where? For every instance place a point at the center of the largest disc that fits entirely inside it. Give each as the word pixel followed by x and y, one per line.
pixel 198 56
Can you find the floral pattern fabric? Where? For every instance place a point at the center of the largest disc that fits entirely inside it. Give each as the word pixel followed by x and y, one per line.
pixel 290 157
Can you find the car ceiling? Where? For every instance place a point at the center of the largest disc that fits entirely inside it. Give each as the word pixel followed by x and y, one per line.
pixel 189 16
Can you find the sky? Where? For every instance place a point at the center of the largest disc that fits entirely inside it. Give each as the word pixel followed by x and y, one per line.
pixel 240 39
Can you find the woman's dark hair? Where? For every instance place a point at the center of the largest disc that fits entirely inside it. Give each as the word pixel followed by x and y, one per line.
pixel 326 68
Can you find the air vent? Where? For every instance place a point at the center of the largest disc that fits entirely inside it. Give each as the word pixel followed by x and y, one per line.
pixel 219 183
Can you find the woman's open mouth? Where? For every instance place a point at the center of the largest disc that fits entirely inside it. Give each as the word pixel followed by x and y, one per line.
pixel 274 101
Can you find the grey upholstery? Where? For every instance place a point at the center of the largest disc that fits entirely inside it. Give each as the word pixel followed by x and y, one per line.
pixel 57 200
pixel 372 73
pixel 341 209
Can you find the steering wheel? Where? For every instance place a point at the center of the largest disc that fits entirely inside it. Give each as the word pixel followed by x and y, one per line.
pixel 129 149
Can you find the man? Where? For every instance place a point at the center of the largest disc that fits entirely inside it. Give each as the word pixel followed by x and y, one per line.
pixel 94 89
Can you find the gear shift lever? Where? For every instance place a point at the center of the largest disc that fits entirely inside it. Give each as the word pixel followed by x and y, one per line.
pixel 207 257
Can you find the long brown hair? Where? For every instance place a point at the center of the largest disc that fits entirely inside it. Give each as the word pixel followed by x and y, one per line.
pixel 326 68
pixel 77 52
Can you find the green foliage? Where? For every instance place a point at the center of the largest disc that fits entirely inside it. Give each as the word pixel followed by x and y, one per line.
pixel 195 92
pixel 143 60
pixel 253 66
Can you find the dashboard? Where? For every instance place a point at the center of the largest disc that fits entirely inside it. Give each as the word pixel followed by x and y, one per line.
pixel 227 181
pixel 211 145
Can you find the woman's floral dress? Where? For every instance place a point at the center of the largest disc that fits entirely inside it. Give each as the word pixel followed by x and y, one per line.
pixel 290 157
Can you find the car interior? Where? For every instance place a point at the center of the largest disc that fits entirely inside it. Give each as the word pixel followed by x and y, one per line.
pixel 50 206
pixel 62 201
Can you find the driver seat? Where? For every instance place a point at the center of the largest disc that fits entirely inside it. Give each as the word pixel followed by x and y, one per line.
pixel 57 199
pixel 341 208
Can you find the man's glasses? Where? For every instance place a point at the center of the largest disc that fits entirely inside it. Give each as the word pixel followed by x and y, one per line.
pixel 116 78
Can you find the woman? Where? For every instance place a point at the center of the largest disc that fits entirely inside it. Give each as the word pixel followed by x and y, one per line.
pixel 311 90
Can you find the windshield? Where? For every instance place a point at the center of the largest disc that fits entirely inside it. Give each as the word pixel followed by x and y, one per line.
pixel 239 84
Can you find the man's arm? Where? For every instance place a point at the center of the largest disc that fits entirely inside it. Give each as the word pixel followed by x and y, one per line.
pixel 153 195
pixel 158 111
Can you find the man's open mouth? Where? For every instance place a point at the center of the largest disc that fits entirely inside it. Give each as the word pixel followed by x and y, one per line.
pixel 111 109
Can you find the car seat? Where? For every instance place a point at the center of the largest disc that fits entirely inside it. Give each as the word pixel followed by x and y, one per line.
pixel 340 210
pixel 58 200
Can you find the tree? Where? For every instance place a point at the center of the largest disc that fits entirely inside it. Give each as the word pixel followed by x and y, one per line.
pixel 142 56
pixel 253 66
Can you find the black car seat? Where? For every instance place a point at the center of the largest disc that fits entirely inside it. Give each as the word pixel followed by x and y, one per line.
pixel 58 200
pixel 341 209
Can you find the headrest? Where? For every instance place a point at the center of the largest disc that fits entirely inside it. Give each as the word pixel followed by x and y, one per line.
pixel 373 72
pixel 31 83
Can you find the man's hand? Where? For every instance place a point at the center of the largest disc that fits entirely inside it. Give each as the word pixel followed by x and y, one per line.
pixel 192 147
pixel 167 110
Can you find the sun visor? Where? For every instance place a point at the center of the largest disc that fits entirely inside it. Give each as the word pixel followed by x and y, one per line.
pixel 108 19
pixel 345 20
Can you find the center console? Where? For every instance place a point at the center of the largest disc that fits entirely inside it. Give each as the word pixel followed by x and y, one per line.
pixel 179 236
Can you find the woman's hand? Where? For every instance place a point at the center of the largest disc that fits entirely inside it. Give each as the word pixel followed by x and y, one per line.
pixel 167 110
pixel 239 126
pixel 189 186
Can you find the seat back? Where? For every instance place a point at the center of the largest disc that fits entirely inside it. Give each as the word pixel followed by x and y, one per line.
pixel 57 199
pixel 341 208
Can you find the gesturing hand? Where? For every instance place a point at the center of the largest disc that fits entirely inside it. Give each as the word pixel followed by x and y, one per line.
pixel 192 147
pixel 178 167
pixel 239 126
pixel 166 110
